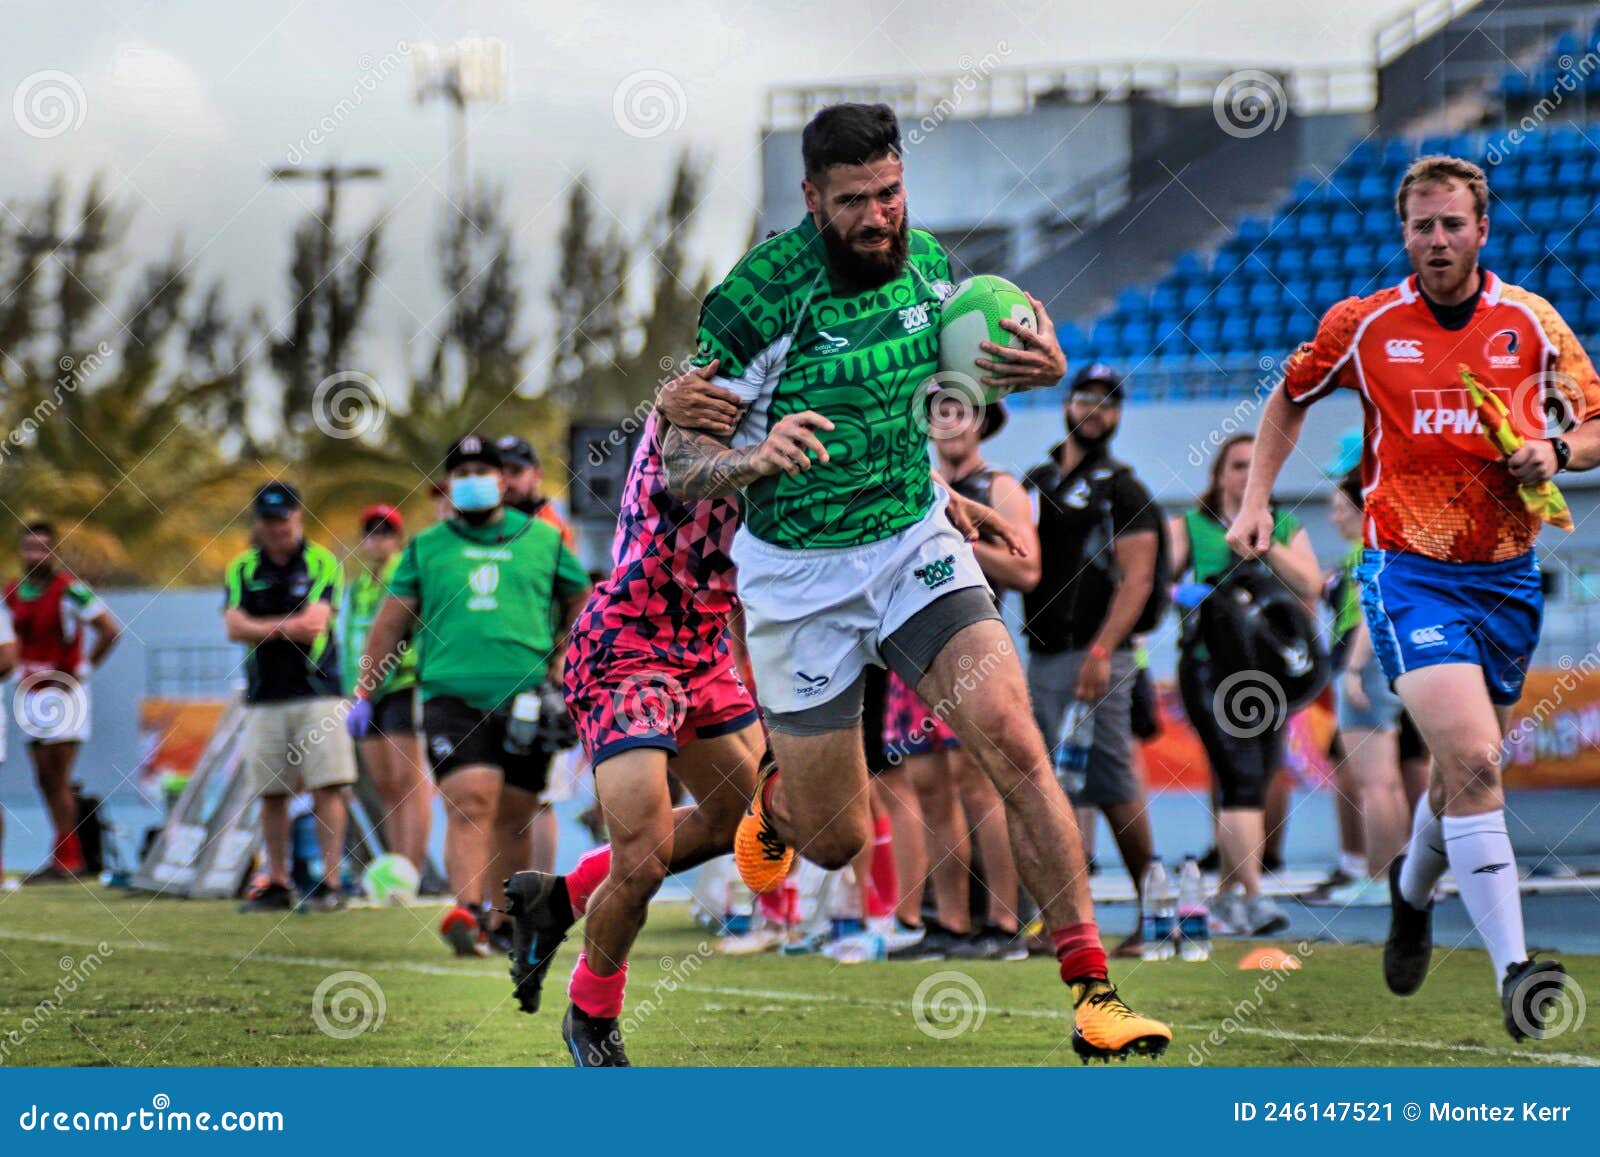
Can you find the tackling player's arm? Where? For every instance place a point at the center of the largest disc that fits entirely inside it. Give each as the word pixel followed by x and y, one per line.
pixel 978 523
pixel 705 466
pixel 1316 368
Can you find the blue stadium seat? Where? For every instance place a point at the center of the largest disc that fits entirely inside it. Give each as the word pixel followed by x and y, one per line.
pixel 1229 296
pixel 1131 300
pixel 1542 212
pixel 1227 259
pixel 1525 248
pixel 1358 257
pixel 1235 334
pixel 1590 316
pixel 1189 264
pixel 1572 173
pixel 1291 261
pixel 1296 289
pixel 1325 258
pixel 1324 292
pixel 1575 207
pixel 1251 230
pixel 1105 333
pixel 1204 333
pixel 1586 241
pixel 1264 295
pixel 1538 175
pixel 1072 340
pixel 1344 223
pixel 1139 337
pixel 1372 188
pixel 1589 277
pixel 1366 151
pixel 1380 222
pixel 1164 298
pixel 1194 297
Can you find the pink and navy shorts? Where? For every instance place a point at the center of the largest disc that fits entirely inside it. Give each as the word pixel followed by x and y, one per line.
pixel 909 725
pixel 623 700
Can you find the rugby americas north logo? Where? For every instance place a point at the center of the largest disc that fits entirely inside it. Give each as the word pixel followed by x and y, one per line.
pixel 1501 350
pixel 1403 349
pixel 915 318
pixel 935 574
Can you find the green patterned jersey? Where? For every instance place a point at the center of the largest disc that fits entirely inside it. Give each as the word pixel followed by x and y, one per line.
pixel 787 342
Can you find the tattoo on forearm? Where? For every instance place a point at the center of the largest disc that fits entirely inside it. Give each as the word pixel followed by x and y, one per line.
pixel 699 466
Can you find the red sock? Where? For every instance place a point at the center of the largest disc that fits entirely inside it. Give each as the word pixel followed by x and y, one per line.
pixel 69 853
pixel 592 868
pixel 1080 952
pixel 885 882
pixel 597 995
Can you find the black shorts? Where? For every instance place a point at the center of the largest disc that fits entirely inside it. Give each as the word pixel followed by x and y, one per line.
pixel 874 695
pixel 1411 745
pixel 395 714
pixel 459 735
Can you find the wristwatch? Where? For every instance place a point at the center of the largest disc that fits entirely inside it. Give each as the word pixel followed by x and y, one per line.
pixel 1563 453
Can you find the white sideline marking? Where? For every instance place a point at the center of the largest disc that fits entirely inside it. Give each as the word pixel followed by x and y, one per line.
pixel 499 976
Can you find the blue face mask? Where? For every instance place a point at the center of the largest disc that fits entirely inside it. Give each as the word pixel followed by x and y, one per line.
pixel 475 492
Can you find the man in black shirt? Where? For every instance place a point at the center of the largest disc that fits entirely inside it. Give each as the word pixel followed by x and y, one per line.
pixel 1100 547
pixel 280 596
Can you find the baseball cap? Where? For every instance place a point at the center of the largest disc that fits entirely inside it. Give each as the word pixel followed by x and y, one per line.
pixel 276 500
pixel 381 512
pixel 471 448
pixel 516 451
pixel 1098 374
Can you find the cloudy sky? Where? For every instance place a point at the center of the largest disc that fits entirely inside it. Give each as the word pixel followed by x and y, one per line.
pixel 184 104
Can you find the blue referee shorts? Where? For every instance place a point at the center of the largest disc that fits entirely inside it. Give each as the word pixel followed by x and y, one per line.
pixel 1424 612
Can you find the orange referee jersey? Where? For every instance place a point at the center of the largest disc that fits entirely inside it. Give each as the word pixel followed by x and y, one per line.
pixel 1433 483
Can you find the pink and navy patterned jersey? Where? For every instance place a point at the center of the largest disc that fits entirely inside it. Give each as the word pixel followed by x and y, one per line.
pixel 671 588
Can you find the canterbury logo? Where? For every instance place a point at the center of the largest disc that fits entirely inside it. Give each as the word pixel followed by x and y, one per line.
pixel 1490 869
pixel 936 574
pixel 1403 349
pixel 1427 636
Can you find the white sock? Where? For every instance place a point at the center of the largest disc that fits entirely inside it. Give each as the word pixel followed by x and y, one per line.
pixel 1486 874
pixel 1425 859
pixel 1352 864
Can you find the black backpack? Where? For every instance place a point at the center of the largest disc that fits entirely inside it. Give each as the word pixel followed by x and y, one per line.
pixel 1101 482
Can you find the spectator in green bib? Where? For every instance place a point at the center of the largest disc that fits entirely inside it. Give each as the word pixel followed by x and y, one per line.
pixel 477 591
pixel 1243 760
pixel 391 751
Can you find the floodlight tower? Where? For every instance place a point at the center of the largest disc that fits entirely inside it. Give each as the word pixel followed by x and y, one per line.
pixel 473 70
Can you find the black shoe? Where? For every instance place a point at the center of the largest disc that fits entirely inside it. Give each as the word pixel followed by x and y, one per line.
pixel 51 874
pixel 541 914
pixel 500 939
pixel 595 1042
pixel 1337 878
pixel 321 898
pixel 272 898
pixel 1410 944
pixel 1532 995
pixel 988 943
pixel 936 943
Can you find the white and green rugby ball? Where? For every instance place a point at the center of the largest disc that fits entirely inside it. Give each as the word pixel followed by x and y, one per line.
pixel 391 879
pixel 972 314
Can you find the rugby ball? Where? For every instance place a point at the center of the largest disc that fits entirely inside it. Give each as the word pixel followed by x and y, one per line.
pixel 391 879
pixel 972 314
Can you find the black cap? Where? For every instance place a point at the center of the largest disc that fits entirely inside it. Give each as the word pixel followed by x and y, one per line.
pixel 516 451
pixel 471 448
pixel 1098 374
pixel 276 500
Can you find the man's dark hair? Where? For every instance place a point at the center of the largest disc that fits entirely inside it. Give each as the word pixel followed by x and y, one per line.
pixel 848 134
pixel 39 528
pixel 1350 483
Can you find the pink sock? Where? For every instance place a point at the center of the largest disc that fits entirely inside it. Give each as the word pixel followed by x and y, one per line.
pixel 885 882
pixel 1081 954
pixel 597 995
pixel 591 870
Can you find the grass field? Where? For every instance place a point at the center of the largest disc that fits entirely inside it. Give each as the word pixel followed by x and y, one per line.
pixel 196 983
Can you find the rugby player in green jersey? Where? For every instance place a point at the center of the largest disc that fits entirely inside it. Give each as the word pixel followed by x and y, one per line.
pixel 827 334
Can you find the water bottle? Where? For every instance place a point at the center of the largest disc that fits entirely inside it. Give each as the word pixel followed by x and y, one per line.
pixel 1194 916
pixel 1158 907
pixel 1073 746
pixel 737 909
